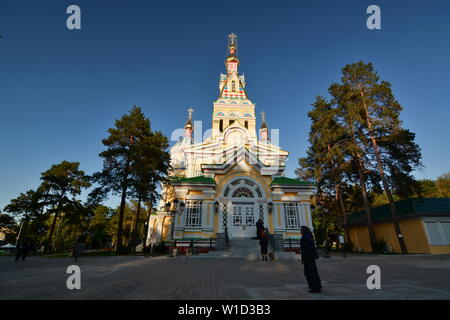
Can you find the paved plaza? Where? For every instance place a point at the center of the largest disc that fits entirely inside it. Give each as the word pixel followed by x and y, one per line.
pixel 402 277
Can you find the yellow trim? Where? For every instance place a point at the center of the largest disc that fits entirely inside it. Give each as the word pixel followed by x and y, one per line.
pixel 270 218
pixel 216 222
pixel 440 249
pixel 279 215
pixel 307 217
pixel 413 232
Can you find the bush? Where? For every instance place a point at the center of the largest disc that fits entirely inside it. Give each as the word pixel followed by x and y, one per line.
pixel 348 246
pixel 379 246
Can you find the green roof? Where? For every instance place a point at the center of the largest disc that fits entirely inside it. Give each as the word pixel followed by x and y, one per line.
pixel 290 182
pixel 405 209
pixel 199 179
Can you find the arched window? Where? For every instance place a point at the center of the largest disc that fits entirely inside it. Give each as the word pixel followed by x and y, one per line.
pixel 242 192
pixel 221 125
pixel 233 86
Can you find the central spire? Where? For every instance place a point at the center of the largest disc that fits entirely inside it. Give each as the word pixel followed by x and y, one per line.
pixel 232 61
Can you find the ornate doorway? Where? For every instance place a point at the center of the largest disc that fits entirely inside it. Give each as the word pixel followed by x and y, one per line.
pixel 243 219
pixel 244 204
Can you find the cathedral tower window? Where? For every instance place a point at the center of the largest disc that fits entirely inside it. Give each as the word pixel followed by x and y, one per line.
pixel 246 124
pixel 221 126
pixel 233 86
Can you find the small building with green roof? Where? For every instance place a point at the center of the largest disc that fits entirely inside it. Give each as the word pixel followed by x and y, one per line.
pixel 424 223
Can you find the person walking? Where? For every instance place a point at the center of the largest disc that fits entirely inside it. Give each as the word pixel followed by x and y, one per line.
pixel 264 243
pixel 309 256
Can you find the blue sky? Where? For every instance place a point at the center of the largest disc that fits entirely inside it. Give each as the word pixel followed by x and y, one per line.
pixel 60 90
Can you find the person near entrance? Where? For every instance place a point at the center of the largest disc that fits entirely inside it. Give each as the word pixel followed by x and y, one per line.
pixel 309 256
pixel 264 243
pixel 259 228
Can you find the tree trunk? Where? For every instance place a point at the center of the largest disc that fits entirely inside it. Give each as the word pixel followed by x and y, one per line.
pixel 386 188
pixel 344 214
pixel 52 230
pixel 135 227
pixel 147 228
pixel 121 215
pixel 362 183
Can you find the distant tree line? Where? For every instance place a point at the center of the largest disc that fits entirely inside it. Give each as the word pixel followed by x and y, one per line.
pixel 135 163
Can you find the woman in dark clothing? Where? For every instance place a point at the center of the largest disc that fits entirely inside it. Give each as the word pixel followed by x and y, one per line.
pixel 259 228
pixel 309 256
pixel 264 243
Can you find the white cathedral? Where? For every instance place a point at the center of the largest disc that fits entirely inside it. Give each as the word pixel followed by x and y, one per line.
pixel 230 180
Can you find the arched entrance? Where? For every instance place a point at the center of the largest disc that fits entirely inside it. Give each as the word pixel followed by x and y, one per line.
pixel 244 202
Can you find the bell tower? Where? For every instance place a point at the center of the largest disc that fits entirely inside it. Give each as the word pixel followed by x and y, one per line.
pixel 233 107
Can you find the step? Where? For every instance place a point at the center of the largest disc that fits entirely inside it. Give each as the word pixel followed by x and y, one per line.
pixel 248 255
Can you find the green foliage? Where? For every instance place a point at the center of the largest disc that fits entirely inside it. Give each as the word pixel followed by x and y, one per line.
pixel 7 221
pixel 8 227
pixel 134 164
pixel 359 153
pixel 62 183
pixel 443 185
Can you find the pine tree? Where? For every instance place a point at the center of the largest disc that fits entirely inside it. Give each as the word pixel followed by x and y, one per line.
pixel 391 149
pixel 134 161
pixel 149 169
pixel 62 183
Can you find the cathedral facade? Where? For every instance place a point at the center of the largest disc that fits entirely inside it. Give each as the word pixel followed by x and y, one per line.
pixel 226 183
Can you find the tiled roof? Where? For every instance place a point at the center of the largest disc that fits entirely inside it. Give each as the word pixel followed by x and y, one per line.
pixel 405 208
pixel 199 179
pixel 289 181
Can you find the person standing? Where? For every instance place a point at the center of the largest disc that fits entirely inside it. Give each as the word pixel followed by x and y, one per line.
pixel 76 252
pixel 26 249
pixel 309 256
pixel 19 250
pixel 259 228
pixel 264 243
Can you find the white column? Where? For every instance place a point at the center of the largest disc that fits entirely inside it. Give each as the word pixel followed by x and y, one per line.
pixel 207 214
pixel 283 216
pixel 308 221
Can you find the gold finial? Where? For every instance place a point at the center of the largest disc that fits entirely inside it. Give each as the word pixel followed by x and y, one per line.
pixel 189 121
pixel 232 44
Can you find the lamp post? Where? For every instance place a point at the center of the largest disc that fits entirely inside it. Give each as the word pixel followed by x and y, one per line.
pixel 216 207
pixel 178 209
pixel 270 207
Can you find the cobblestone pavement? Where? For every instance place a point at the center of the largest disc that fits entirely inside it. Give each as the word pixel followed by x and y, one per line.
pixel 402 277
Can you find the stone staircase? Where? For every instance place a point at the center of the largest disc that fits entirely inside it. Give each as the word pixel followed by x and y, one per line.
pixel 243 248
